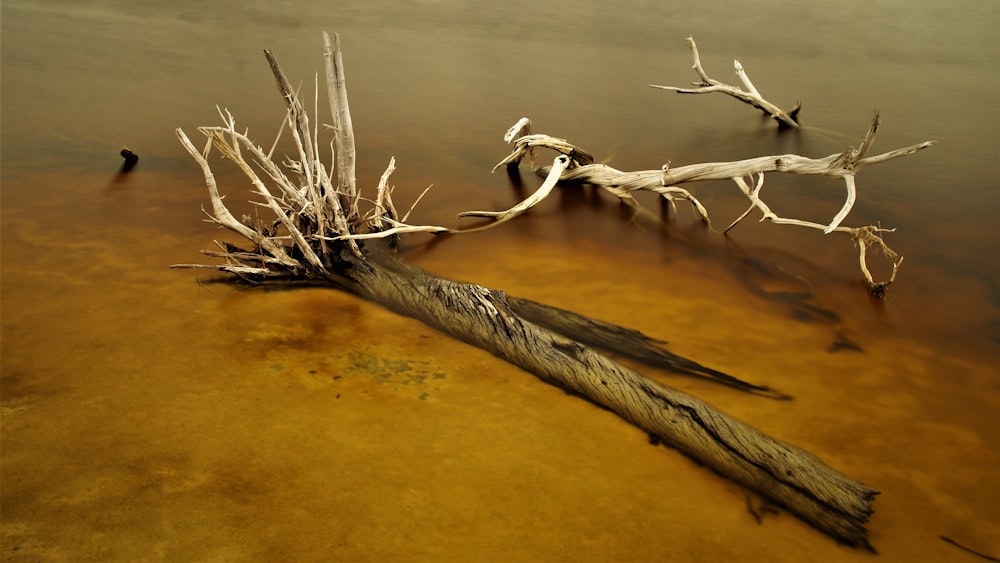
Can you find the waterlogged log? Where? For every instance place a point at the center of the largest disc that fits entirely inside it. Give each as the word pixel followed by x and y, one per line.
pixel 628 343
pixel 830 501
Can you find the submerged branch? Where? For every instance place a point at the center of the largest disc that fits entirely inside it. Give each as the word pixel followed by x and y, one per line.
pixel 747 94
pixel 665 181
pixel 489 319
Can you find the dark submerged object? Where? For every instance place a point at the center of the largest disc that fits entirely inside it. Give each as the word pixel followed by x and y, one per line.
pixel 131 159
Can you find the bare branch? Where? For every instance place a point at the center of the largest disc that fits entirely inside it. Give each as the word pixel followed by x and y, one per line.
pixel 344 149
pixel 221 214
pixel 384 210
pixel 750 95
pixel 558 165
pixel 231 151
pixel 518 130
pixel 665 181
pixel 298 120
pixel 308 205
pixel 524 146
pixel 672 193
pixel 314 210
pixel 401 228
pixel 872 236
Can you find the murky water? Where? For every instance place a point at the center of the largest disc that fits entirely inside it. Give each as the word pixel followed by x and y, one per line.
pixel 147 416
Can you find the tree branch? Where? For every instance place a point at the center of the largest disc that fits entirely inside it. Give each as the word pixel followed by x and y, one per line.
pixel 750 95
pixel 665 181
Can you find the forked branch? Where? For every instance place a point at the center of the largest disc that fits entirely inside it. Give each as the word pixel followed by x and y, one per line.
pixel 748 93
pixel 665 181
pixel 317 205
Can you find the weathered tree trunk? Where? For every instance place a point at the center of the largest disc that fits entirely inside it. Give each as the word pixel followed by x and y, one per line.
pixel 835 504
pixel 627 342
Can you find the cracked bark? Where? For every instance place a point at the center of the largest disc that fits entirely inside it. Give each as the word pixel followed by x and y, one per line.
pixel 489 319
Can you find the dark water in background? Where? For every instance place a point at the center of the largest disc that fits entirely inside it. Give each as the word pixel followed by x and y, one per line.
pixel 146 416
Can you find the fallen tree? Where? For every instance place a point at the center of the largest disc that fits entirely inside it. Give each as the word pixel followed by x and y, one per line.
pixel 321 234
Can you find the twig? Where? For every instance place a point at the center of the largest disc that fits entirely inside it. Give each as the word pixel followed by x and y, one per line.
pixel 344 149
pixel 524 146
pixel 968 549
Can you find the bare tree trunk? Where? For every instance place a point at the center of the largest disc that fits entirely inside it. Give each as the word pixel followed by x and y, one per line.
pixel 833 503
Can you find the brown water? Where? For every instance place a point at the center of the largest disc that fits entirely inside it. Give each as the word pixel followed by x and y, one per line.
pixel 146 416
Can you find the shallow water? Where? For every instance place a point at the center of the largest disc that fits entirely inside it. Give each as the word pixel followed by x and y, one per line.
pixel 147 416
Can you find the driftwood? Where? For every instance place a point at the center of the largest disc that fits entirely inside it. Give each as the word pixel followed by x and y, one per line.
pixel 748 94
pixel 320 234
pixel 666 180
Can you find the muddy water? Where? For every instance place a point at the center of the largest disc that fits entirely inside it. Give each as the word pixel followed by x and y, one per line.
pixel 147 415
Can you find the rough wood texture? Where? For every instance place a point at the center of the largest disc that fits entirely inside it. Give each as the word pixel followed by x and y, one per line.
pixel 627 342
pixel 827 499
pixel 320 235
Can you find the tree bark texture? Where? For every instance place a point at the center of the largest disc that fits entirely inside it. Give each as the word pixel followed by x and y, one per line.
pixel 834 503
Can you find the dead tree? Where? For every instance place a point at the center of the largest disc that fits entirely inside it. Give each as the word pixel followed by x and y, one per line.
pixel 323 231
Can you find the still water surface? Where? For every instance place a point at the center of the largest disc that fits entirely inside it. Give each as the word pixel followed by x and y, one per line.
pixel 146 416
